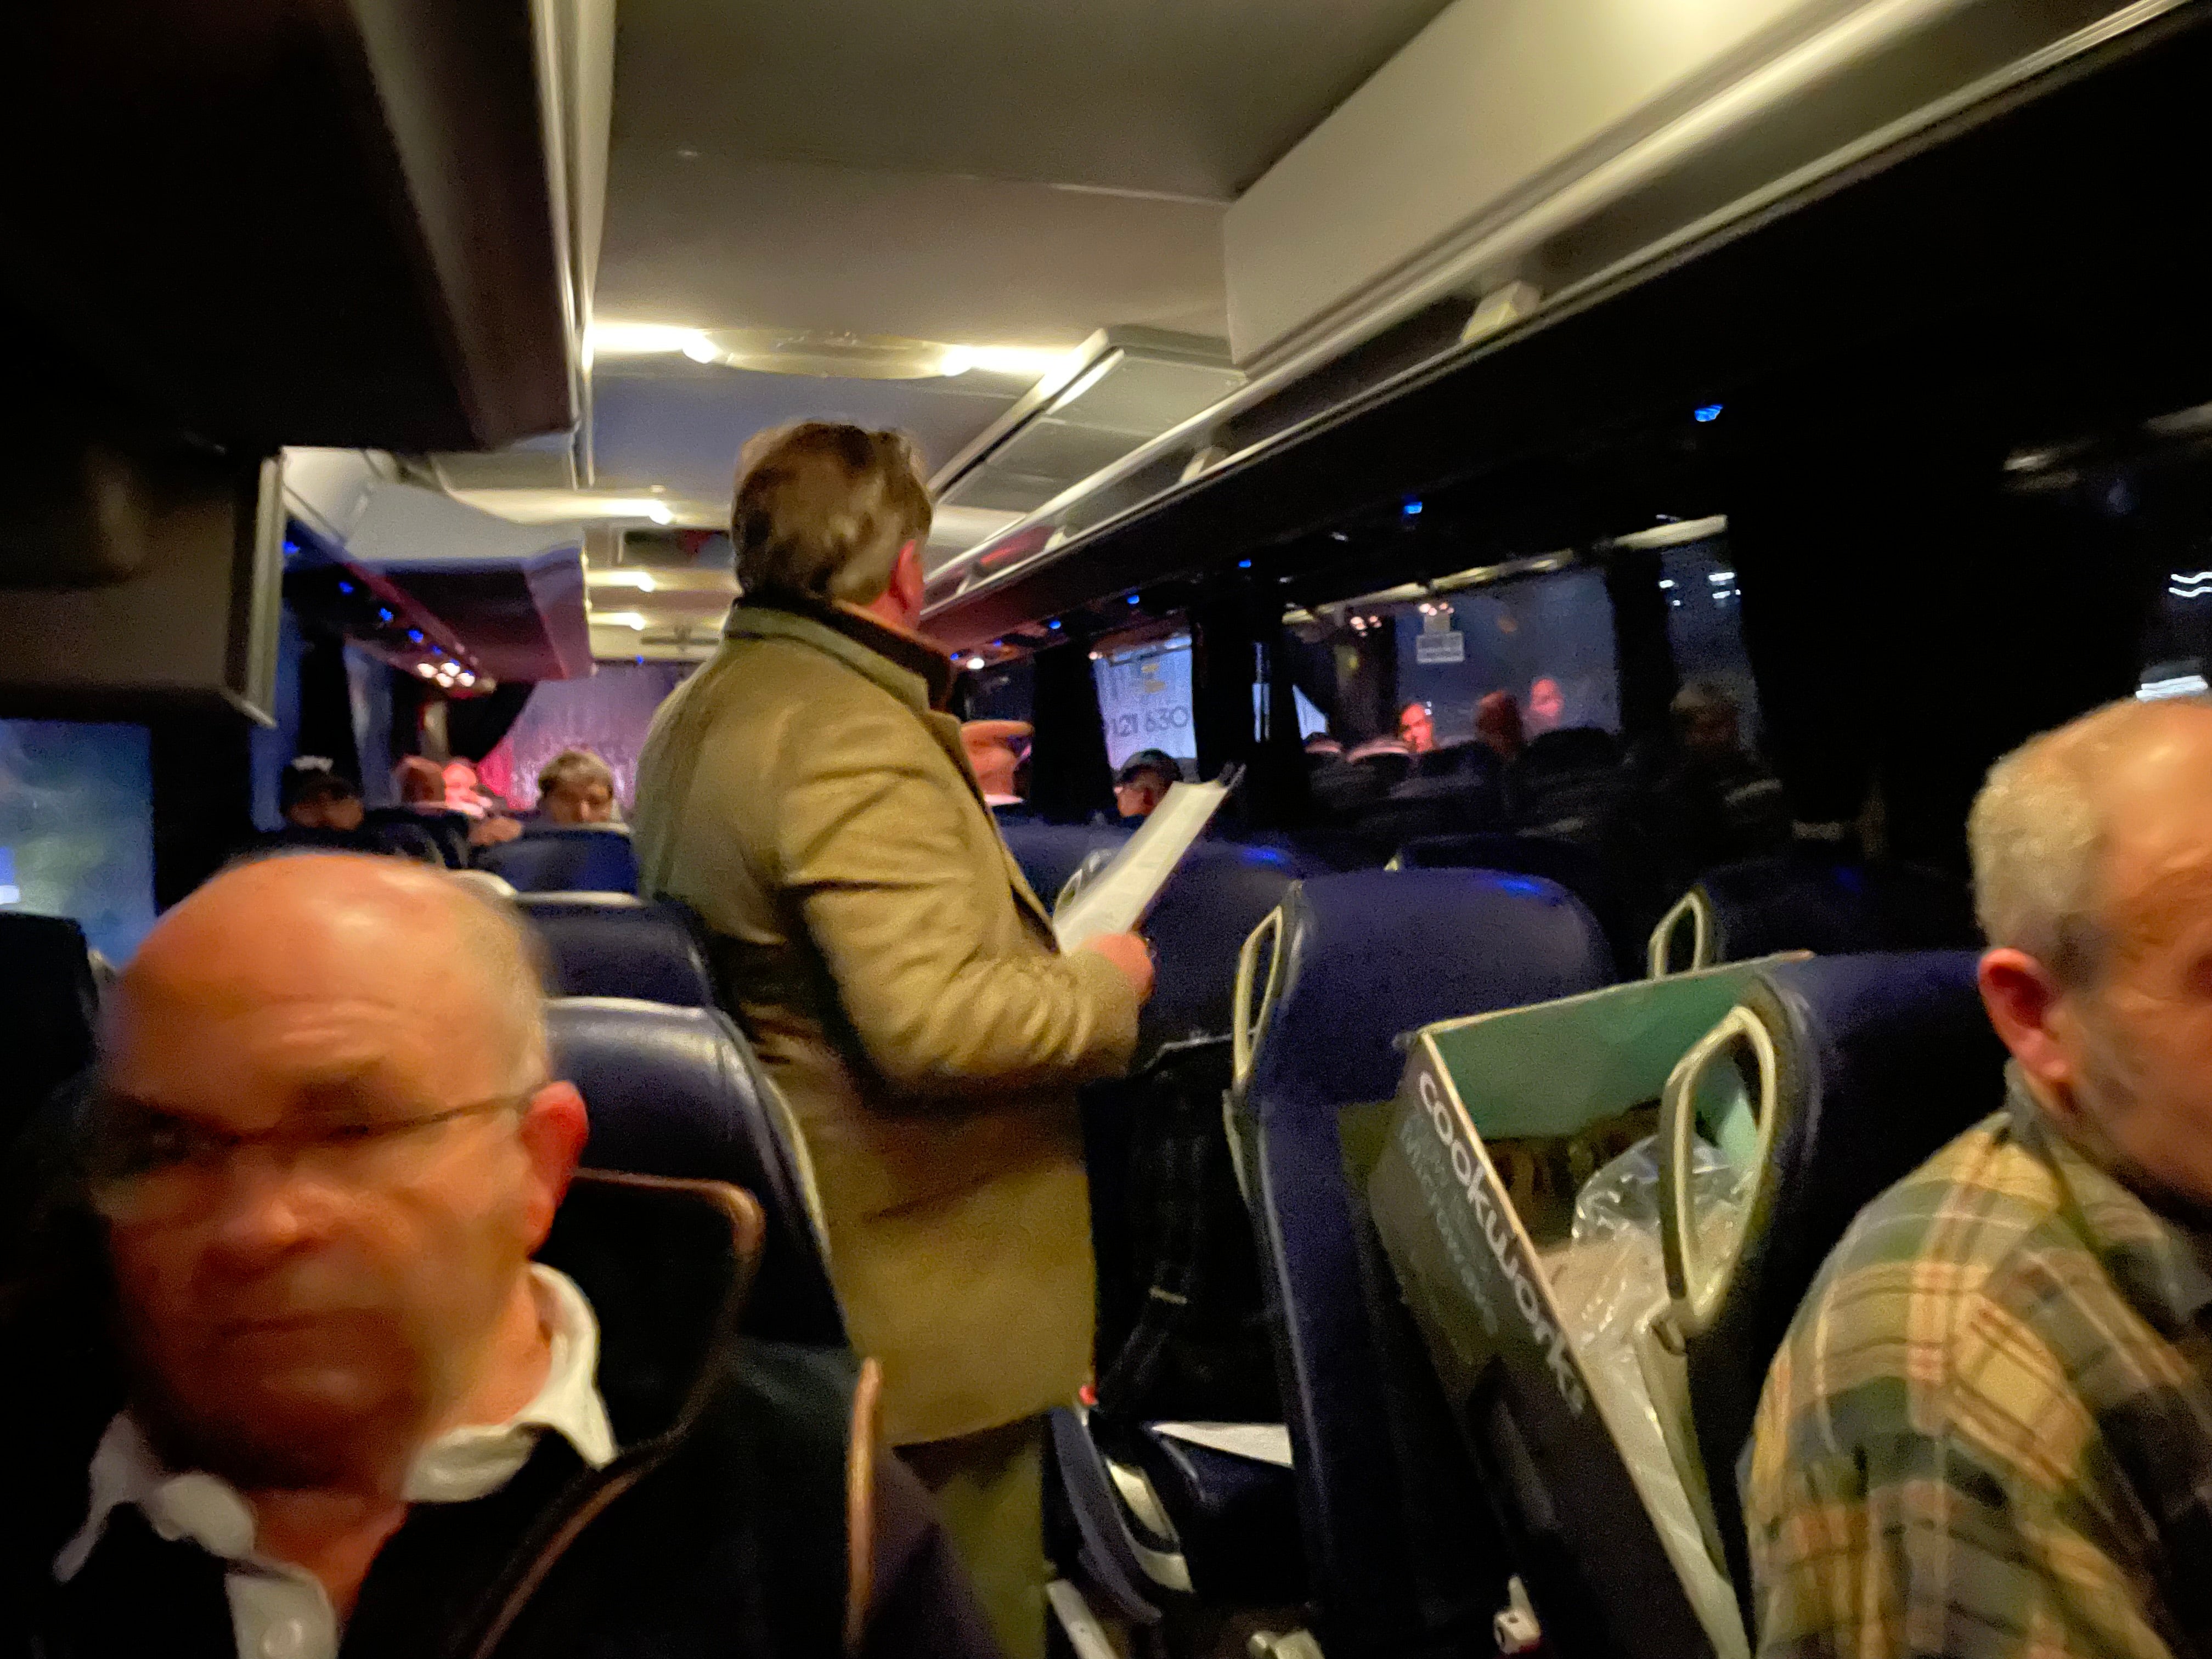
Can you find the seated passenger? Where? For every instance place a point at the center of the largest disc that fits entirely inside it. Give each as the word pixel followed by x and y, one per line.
pixel 329 1401
pixel 1144 781
pixel 1417 727
pixel 1498 724
pixel 425 786
pixel 1989 1430
pixel 576 790
pixel 995 751
pixel 1714 803
pixel 314 794
pixel 323 808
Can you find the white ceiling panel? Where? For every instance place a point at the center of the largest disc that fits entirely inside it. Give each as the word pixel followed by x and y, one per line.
pixel 968 172
pixel 1184 97
pixel 727 243
pixel 682 426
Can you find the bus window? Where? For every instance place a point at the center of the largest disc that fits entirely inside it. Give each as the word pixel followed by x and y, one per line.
pixel 1311 721
pixel 1705 625
pixel 1545 641
pixel 1144 697
pixel 76 828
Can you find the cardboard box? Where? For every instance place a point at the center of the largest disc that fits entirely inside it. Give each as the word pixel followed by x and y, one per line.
pixel 1606 1579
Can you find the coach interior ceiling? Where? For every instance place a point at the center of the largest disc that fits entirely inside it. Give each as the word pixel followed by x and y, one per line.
pixel 882 181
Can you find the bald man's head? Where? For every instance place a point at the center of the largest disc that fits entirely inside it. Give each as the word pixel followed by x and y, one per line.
pixel 325 1147
pixel 275 927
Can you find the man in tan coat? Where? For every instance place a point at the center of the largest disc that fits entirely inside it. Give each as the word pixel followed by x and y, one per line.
pixel 807 796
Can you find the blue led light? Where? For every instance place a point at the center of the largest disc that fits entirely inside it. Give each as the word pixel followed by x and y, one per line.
pixel 1136 598
pixel 1054 623
pixel 416 635
pixel 1412 509
pixel 345 587
pixel 1706 413
pixel 386 614
pixel 1243 564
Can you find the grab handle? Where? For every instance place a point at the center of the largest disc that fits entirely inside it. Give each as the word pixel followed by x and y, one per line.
pixel 1694 1286
pixel 1699 909
pixel 1247 1023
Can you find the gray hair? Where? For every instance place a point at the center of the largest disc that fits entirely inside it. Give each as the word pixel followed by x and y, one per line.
pixel 500 940
pixel 2037 834
pixel 1702 697
pixel 574 766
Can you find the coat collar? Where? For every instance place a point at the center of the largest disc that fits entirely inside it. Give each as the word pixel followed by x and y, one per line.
pixel 905 666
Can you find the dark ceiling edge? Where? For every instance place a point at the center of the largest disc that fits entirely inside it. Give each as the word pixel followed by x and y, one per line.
pixel 1751 297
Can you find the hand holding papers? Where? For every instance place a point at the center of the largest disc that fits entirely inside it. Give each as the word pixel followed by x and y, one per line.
pixel 1115 901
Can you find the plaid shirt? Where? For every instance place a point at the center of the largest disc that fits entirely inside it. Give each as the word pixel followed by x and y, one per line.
pixel 1989 1430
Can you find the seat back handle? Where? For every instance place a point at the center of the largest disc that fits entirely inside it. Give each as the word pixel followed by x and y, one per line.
pixel 1695 1286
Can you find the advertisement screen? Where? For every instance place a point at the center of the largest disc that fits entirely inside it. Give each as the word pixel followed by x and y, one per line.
pixel 1144 697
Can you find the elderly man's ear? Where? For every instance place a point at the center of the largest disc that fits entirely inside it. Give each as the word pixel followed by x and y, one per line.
pixel 2026 1007
pixel 553 1128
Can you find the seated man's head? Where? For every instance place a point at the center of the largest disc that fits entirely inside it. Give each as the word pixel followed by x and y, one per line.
pixel 577 787
pixel 2093 876
pixel 420 781
pixel 1144 781
pixel 995 751
pixel 462 783
pixel 1417 727
pixel 1705 722
pixel 324 1147
pixel 1498 724
pixel 829 512
pixel 312 795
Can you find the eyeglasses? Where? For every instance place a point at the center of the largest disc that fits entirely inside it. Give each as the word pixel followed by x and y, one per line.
pixel 145 1166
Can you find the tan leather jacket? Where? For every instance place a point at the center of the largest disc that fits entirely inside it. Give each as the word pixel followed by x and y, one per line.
pixel 899 979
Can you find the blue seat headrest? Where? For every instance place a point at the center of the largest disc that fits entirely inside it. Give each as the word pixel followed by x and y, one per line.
pixel 1220 892
pixel 46 987
pixel 1805 901
pixel 609 944
pixel 1374 953
pixel 1880 1059
pixel 677 1092
pixel 1049 853
pixel 564 861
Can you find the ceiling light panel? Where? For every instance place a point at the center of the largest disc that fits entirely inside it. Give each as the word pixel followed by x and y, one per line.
pixel 1124 387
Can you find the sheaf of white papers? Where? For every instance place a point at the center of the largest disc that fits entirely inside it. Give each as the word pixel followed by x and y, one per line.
pixel 1117 899
pixel 1263 1442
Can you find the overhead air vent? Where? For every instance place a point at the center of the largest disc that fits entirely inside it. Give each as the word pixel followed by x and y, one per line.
pixel 1124 387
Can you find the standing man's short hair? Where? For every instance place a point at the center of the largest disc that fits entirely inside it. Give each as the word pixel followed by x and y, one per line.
pixel 822 509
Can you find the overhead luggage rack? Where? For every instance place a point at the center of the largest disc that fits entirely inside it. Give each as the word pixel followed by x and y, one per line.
pixel 1913 164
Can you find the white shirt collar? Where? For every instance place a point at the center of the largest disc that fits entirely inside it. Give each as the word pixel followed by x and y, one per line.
pixel 469 1462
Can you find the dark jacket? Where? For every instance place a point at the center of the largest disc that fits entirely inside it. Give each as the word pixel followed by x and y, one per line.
pixel 746 1503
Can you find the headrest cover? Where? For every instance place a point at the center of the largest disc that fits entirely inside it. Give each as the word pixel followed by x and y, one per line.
pixel 1374 953
pixel 676 1091
pixel 603 944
